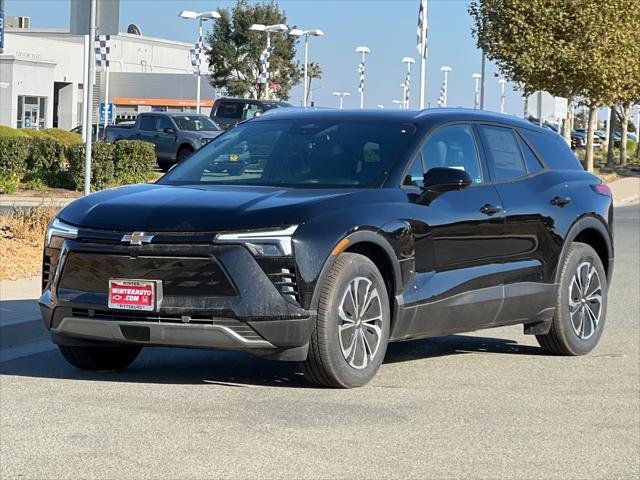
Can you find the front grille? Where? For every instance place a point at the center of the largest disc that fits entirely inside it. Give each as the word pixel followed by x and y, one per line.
pixel 46 271
pixel 180 276
pixel 281 271
pixel 237 326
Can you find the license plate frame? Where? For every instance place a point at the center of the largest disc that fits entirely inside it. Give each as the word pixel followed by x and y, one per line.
pixel 137 288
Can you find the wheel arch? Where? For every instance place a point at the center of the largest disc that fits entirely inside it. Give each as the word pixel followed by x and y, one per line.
pixel 592 231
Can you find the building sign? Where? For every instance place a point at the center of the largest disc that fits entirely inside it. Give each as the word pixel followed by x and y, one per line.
pixel 107 17
pixel 161 102
pixel 111 109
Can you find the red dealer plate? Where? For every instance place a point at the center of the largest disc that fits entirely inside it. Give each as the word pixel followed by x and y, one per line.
pixel 132 294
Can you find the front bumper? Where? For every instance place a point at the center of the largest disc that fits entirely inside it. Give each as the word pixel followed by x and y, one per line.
pixel 255 317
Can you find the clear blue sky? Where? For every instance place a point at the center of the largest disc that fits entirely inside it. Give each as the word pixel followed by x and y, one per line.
pixel 387 27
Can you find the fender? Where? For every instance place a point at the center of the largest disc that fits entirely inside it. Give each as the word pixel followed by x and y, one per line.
pixel 355 237
pixel 581 224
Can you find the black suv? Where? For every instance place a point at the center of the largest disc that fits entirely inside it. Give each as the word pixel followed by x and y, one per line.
pixel 228 112
pixel 352 230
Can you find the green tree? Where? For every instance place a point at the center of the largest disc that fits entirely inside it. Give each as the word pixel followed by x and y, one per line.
pixel 233 51
pixel 570 48
pixel 314 71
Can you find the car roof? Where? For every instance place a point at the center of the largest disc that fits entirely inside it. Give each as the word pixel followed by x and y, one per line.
pixel 253 100
pixel 441 115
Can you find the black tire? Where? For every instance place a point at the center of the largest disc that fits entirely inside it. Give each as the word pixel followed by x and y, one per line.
pixel 326 364
pixel 565 338
pixel 100 358
pixel 183 154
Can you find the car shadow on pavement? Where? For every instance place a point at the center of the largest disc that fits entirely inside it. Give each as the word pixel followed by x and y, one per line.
pixel 230 369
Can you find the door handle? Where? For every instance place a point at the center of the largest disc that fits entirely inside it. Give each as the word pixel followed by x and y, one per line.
pixel 560 201
pixel 489 209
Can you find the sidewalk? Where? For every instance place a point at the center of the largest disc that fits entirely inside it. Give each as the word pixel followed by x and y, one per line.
pixel 21 329
pixel 625 191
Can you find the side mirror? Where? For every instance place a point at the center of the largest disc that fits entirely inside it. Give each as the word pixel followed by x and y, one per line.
pixel 441 180
pixel 170 130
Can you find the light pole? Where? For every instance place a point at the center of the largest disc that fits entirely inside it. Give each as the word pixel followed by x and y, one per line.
pixel 341 96
pixel 407 81
pixel 201 17
pixel 476 95
pixel 363 51
pixel 445 85
pixel 258 27
pixel 306 33
pixel 403 86
pixel 503 84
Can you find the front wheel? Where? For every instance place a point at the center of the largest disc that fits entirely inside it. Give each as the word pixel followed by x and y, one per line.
pixel 350 338
pixel 183 154
pixel 100 358
pixel 581 304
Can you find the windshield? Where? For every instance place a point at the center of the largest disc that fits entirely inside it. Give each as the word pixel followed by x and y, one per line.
pixel 299 153
pixel 196 123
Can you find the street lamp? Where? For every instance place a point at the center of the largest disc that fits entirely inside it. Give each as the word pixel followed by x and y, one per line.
pixel 502 83
pixel 341 96
pixel 363 51
pixel 476 97
pixel 201 17
pixel 306 33
pixel 407 81
pixel 258 27
pixel 445 85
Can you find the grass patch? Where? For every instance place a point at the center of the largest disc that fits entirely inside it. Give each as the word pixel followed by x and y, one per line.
pixel 22 240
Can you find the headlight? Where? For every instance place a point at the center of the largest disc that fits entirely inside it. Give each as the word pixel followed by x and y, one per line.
pixel 263 243
pixel 204 141
pixel 60 229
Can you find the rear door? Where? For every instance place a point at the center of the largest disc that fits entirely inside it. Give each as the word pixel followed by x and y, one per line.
pixel 458 241
pixel 537 203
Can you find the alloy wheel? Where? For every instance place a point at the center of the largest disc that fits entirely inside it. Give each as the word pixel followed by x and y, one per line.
pixel 360 327
pixel 585 300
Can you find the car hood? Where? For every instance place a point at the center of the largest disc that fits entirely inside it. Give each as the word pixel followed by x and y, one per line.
pixel 209 134
pixel 157 208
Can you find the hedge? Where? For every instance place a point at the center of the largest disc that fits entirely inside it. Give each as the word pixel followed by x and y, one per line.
pixel 54 158
pixel 133 161
pixel 102 169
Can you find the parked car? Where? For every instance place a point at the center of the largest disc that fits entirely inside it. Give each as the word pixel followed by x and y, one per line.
pixel 228 112
pixel 175 135
pixel 359 228
pixel 97 131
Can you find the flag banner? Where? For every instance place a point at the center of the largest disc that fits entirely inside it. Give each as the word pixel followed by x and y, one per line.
pixel 422 29
pixel 407 85
pixel 102 49
pixel 443 95
pixel 361 72
pixel 196 57
pixel 264 66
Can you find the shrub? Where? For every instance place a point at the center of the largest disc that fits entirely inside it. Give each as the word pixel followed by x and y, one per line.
pixel 45 159
pixel 133 161
pixel 9 182
pixel 102 168
pixel 14 151
pixel 10 132
pixel 64 136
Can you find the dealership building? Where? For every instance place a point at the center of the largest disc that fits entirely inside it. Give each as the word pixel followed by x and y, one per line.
pixel 41 78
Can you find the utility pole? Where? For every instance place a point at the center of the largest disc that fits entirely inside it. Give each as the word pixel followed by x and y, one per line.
pixel 482 73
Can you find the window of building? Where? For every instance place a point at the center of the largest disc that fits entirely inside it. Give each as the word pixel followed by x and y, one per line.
pixel 31 112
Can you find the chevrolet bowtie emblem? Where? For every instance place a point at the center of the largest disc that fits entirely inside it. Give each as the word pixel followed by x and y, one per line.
pixel 137 238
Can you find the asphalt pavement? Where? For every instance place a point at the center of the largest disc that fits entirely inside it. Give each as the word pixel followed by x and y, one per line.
pixel 485 405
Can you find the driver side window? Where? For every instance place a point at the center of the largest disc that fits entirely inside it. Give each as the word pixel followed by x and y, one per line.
pixel 453 147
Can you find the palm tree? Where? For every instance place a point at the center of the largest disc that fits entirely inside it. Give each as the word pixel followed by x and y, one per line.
pixel 313 71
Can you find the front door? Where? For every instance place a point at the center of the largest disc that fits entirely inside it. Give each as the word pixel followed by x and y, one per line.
pixel 458 242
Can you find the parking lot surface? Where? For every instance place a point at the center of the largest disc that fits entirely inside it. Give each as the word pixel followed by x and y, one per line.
pixel 488 405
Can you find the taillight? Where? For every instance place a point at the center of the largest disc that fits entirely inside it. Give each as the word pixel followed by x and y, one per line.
pixel 601 189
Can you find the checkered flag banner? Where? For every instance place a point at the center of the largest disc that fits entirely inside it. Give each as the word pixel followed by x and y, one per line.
pixel 264 66
pixel 442 97
pixel 196 57
pixel 407 85
pixel 102 50
pixel 422 29
pixel 361 72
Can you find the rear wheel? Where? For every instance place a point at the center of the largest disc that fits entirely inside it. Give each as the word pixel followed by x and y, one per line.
pixel 100 358
pixel 581 305
pixel 184 153
pixel 350 339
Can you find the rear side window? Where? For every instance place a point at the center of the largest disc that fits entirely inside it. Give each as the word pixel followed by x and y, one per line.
pixel 230 110
pixel 553 149
pixel 504 152
pixel 148 122
pixel 533 164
